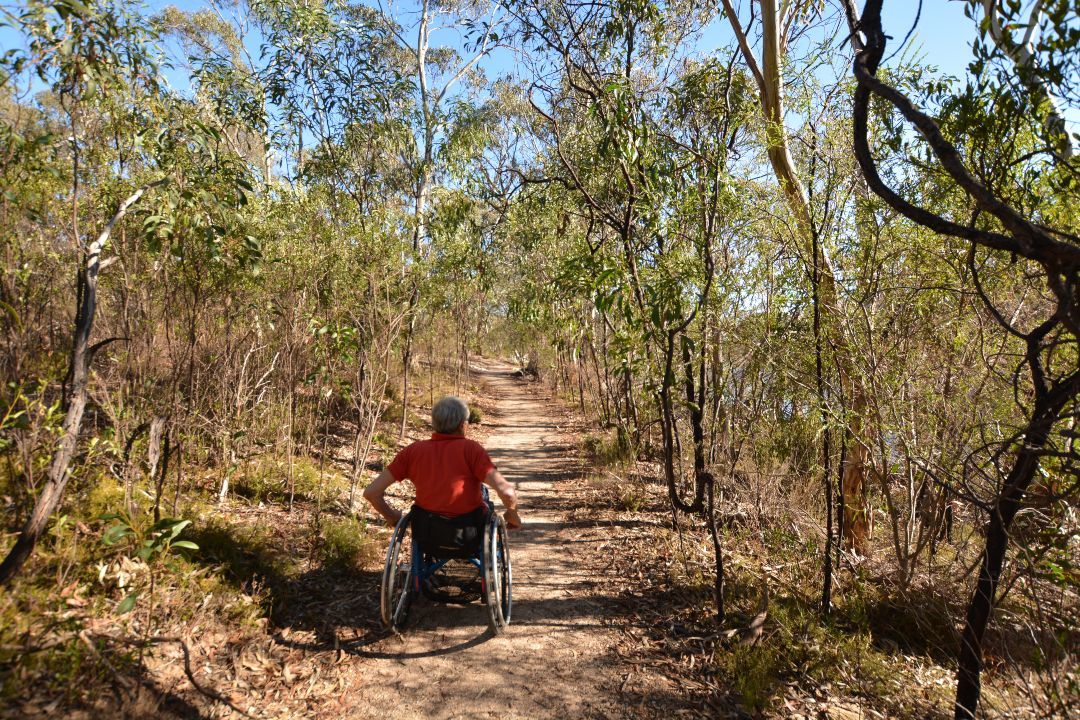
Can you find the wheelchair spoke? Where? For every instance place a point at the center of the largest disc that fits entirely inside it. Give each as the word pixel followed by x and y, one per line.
pixel 497 575
pixel 396 593
pixel 408 569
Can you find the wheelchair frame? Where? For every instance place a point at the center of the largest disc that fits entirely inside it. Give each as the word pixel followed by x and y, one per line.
pixel 402 580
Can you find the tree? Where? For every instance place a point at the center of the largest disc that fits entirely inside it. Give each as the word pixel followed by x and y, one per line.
pixel 437 71
pixel 647 255
pixel 998 224
pixel 776 23
pixel 99 59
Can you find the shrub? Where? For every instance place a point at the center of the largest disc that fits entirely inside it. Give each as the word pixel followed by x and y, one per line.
pixel 629 494
pixel 755 672
pixel 385 443
pixel 393 412
pixel 346 544
pixel 266 479
pixel 632 496
pixel 106 496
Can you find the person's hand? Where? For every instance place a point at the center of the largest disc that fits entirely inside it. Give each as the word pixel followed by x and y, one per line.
pixel 513 520
pixel 396 518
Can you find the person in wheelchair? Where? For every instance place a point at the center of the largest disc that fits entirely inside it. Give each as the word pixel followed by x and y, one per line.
pixel 452 520
pixel 448 471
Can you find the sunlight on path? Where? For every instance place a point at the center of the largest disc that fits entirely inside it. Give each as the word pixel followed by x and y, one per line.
pixel 555 660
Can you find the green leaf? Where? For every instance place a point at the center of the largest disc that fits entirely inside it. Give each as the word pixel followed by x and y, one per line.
pixel 178 528
pixel 127 604
pixel 186 544
pixel 116 533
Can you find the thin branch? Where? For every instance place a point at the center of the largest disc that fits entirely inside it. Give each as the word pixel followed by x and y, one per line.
pixel 744 45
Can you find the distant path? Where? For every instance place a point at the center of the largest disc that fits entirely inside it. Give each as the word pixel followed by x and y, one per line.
pixel 556 659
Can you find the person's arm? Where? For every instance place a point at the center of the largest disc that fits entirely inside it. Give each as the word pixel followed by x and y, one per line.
pixel 507 494
pixel 375 494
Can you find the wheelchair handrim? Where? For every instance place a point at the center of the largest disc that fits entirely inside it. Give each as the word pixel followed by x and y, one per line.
pixel 507 571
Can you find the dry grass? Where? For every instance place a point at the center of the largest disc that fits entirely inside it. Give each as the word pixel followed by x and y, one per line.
pixel 881 653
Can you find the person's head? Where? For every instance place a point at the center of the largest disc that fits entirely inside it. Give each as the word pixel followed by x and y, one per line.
pixel 449 414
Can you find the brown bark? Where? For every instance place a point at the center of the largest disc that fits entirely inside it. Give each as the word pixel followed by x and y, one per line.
pixel 856 524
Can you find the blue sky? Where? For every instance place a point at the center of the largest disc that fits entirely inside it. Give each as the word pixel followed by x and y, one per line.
pixel 942 38
pixel 943 35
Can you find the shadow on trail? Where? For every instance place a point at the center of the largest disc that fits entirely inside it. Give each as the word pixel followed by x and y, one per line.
pixel 592 524
pixel 511 460
pixel 430 618
pixel 364 646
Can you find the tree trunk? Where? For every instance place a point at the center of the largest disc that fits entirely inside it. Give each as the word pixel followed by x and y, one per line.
pixel 406 361
pixel 826 439
pixel 1044 414
pixel 856 524
pixel 82 354
pixel 770 84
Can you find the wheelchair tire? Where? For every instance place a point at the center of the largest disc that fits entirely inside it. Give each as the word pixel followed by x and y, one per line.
pixel 397 591
pixel 498 576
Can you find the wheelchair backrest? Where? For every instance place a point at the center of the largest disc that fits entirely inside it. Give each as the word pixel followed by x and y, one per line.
pixel 444 537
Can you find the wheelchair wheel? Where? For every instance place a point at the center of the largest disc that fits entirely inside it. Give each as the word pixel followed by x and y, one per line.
pixel 397 591
pixel 498 578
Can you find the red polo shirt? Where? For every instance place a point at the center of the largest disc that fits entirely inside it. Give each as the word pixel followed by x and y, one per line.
pixel 447 471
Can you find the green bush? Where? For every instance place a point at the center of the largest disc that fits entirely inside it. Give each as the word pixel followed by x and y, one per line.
pixel 266 479
pixel 385 443
pixel 755 671
pixel 105 496
pixel 346 544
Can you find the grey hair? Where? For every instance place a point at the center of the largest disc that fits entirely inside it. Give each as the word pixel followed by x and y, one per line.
pixel 448 414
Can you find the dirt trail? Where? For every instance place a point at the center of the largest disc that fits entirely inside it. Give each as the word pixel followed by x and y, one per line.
pixel 556 658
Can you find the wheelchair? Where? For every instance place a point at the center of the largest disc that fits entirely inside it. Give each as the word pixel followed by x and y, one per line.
pixel 425 546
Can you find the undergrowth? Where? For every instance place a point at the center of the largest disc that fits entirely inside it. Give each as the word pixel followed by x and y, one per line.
pixel 61 618
pixel 879 648
pixel 89 629
pixel 608 448
pixel 348 545
pixel 267 479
